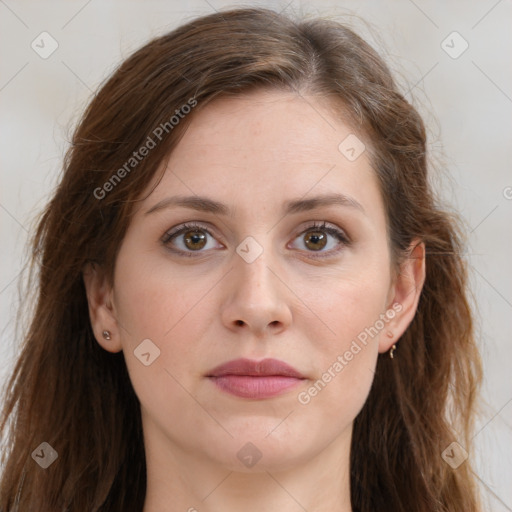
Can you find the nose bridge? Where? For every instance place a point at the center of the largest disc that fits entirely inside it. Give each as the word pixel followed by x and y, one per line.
pixel 252 271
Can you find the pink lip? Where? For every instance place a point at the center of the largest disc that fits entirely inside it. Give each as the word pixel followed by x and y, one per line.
pixel 247 378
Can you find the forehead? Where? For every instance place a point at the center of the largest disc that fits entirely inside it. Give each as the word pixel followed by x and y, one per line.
pixel 277 125
pixel 268 147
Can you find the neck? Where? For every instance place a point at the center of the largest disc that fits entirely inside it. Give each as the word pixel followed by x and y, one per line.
pixel 179 480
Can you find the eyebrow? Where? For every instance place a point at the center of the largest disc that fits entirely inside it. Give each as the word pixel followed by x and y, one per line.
pixel 205 204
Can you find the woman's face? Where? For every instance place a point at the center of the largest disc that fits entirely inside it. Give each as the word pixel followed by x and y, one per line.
pixel 256 281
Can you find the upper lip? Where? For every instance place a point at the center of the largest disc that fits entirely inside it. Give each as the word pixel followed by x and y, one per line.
pixel 265 367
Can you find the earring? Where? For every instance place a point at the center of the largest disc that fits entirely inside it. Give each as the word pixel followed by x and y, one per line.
pixel 391 351
pixel 106 335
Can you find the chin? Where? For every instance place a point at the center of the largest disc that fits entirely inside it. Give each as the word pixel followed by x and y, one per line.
pixel 255 451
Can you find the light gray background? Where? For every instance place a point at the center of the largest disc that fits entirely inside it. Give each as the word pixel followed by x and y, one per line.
pixel 466 102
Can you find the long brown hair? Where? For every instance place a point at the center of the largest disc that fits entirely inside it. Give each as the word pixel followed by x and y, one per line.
pixel 70 393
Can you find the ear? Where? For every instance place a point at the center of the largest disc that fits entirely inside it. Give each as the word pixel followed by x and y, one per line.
pixel 405 294
pixel 101 311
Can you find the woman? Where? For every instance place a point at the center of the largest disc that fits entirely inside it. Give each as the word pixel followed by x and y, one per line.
pixel 248 298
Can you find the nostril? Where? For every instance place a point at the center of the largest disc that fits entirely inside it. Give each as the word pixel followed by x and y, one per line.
pixel 239 322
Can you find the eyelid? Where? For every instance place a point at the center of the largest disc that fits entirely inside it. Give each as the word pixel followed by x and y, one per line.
pixel 327 226
pixel 186 225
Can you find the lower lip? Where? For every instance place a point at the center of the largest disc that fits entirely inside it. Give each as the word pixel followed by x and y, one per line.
pixel 247 386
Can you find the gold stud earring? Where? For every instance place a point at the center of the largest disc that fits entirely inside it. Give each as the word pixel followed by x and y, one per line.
pixel 391 351
pixel 106 335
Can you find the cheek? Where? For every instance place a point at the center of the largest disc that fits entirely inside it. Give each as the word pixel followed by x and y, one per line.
pixel 155 304
pixel 151 301
pixel 345 359
pixel 346 304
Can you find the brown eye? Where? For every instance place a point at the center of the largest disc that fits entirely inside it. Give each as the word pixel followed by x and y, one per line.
pixel 194 240
pixel 189 239
pixel 315 240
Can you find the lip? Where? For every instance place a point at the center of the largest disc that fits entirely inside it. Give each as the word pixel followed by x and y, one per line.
pixel 248 378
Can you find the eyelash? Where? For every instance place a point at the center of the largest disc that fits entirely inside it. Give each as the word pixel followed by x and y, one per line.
pixel 336 232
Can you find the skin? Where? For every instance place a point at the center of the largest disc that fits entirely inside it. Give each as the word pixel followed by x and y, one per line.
pixel 253 153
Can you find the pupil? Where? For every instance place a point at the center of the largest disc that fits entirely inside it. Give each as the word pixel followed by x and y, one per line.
pixel 195 238
pixel 315 238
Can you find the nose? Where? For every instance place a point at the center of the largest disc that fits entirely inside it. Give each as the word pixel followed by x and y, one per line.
pixel 257 298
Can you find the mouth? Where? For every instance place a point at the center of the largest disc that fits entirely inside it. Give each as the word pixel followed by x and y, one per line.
pixel 252 379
